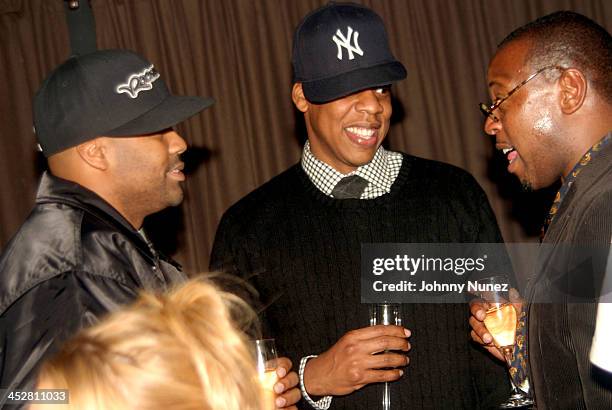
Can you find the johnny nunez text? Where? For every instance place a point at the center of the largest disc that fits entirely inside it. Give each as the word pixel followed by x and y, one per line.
pixel 425 286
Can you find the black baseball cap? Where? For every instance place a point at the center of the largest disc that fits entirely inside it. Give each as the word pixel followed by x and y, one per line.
pixel 342 48
pixel 106 93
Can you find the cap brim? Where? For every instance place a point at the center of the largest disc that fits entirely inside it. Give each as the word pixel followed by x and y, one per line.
pixel 329 89
pixel 171 111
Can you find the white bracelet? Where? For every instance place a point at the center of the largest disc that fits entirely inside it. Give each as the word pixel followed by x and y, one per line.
pixel 322 404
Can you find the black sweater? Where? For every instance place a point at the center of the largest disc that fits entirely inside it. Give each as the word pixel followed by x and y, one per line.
pixel 301 251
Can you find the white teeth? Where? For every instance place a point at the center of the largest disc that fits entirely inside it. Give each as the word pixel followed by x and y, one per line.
pixel 507 150
pixel 362 132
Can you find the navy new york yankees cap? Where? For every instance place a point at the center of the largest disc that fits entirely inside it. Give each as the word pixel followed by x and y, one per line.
pixel 342 48
pixel 106 93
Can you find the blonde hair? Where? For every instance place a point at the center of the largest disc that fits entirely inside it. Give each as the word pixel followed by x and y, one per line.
pixel 179 350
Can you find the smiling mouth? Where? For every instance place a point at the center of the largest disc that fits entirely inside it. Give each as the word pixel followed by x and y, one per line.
pixel 177 172
pixel 511 154
pixel 365 136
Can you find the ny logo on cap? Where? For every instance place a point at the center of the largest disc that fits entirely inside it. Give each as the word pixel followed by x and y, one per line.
pixel 139 82
pixel 342 41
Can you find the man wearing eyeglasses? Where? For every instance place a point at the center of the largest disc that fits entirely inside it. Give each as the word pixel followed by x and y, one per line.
pixel 551 84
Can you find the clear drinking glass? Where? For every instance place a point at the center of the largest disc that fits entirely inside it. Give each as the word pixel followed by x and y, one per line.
pixel 501 321
pixel 266 359
pixel 386 314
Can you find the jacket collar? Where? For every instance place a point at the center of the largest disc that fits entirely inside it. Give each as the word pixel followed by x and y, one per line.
pixel 53 189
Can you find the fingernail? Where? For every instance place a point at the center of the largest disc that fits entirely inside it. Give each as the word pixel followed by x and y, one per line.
pixel 280 402
pixel 481 315
pixel 401 372
pixel 279 388
pixel 407 332
pixel 513 293
pixel 281 372
pixel 487 338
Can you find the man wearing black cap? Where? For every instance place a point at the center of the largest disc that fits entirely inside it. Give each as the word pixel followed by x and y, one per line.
pixel 104 121
pixel 298 237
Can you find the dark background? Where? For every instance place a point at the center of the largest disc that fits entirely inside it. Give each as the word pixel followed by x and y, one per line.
pixel 239 52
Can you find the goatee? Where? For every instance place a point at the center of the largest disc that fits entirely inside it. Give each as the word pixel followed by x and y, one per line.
pixel 526 186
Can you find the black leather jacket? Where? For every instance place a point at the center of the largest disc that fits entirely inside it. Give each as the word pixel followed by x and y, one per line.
pixel 74 259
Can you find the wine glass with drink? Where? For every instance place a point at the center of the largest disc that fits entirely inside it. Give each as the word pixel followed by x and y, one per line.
pixel 501 322
pixel 386 314
pixel 266 360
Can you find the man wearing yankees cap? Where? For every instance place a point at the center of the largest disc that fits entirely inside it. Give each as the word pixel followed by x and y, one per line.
pixel 297 238
pixel 104 121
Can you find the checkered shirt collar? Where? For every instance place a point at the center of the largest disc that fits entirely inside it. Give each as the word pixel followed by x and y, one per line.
pixel 378 172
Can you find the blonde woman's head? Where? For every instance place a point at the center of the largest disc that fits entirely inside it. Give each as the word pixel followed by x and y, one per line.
pixel 179 350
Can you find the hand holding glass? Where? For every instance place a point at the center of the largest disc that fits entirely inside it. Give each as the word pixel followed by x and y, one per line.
pixel 501 321
pixel 266 360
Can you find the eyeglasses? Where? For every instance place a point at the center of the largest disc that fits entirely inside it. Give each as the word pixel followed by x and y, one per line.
pixel 487 110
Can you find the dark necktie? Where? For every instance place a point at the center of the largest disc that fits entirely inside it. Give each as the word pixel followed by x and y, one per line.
pixel 349 187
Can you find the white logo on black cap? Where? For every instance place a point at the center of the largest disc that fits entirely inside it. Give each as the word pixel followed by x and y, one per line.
pixel 342 41
pixel 139 82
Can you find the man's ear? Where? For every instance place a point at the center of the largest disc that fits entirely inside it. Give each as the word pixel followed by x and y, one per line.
pixel 93 152
pixel 297 94
pixel 573 90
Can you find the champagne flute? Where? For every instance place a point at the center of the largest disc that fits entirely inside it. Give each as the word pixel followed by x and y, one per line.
pixel 266 359
pixel 386 314
pixel 501 322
